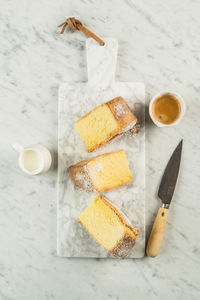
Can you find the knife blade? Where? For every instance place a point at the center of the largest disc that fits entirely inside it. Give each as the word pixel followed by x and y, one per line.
pixel 168 182
pixel 165 193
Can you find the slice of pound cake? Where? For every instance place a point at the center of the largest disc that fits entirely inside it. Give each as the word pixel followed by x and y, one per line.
pixel 109 227
pixel 102 173
pixel 105 122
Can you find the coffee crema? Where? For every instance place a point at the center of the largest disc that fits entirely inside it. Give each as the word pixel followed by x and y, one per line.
pixel 166 109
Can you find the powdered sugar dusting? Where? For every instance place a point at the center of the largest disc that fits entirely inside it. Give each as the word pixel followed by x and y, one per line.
pixel 84 179
pixel 123 247
pixel 96 169
pixel 120 109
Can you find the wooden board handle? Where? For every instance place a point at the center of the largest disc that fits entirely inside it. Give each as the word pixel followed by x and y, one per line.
pixel 157 232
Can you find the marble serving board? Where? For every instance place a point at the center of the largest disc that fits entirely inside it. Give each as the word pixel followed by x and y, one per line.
pixel 76 99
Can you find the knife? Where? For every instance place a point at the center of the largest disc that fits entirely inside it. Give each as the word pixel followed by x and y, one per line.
pixel 165 193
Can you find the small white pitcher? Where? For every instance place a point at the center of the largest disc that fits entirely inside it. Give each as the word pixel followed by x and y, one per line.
pixel 33 160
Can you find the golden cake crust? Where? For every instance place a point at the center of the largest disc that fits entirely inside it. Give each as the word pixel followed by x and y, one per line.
pixel 125 119
pixel 80 176
pixel 121 112
pixel 124 246
pixel 82 179
pixel 126 243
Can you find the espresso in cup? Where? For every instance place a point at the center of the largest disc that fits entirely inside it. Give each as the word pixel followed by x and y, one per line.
pixel 166 109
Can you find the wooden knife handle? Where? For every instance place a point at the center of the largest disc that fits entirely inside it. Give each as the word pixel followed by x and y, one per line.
pixel 157 232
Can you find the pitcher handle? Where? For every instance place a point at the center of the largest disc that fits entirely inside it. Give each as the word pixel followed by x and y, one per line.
pixel 17 147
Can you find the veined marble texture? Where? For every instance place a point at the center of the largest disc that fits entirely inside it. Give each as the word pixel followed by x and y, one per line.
pixel 158 45
pixel 75 100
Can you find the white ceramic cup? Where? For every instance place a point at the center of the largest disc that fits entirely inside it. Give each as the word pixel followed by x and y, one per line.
pixel 183 108
pixel 33 160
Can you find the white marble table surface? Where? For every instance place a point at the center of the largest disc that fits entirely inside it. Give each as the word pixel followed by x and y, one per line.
pixel 159 45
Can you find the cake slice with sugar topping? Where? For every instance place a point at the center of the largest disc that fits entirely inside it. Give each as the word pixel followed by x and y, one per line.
pixel 102 173
pixel 105 122
pixel 109 227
